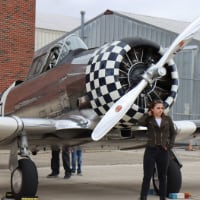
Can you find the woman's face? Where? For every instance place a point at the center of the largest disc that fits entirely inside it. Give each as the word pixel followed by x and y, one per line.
pixel 158 110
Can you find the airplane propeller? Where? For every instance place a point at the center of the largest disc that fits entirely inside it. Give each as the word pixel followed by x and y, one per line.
pixel 120 107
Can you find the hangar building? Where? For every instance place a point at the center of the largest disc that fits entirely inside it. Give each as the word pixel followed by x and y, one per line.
pixel 112 25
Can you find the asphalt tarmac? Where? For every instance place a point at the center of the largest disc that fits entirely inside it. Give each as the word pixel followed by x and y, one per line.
pixel 108 175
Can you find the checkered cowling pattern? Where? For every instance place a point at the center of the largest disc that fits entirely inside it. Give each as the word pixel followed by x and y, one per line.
pixel 103 86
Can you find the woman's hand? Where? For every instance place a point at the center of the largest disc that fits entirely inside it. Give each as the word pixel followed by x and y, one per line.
pixel 165 148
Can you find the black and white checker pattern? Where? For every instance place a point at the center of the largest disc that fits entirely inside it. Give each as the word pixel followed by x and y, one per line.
pixel 103 85
pixel 169 101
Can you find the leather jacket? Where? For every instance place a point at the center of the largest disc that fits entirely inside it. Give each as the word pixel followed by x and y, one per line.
pixel 163 135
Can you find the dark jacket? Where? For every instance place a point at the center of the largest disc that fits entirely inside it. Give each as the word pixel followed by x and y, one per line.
pixel 163 135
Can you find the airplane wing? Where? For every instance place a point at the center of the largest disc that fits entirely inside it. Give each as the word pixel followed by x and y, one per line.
pixel 42 131
pixel 62 131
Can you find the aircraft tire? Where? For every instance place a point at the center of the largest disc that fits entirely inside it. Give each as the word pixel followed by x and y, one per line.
pixel 24 179
pixel 174 178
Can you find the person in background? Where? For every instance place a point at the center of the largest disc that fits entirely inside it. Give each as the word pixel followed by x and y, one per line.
pixel 161 136
pixel 55 162
pixel 76 155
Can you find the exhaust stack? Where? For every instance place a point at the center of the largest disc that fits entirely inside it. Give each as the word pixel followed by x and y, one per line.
pixel 82 24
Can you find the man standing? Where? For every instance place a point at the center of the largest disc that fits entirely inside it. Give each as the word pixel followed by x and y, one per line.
pixel 55 162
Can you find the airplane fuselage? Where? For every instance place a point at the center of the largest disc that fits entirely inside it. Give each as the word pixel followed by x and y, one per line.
pixel 49 94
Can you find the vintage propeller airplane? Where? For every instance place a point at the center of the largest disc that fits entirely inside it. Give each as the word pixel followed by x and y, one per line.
pixel 74 95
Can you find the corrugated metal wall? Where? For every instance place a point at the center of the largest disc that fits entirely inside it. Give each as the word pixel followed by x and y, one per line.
pixel 45 36
pixel 107 28
pixel 188 102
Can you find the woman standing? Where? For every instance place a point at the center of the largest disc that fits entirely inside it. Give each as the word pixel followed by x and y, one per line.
pixel 161 135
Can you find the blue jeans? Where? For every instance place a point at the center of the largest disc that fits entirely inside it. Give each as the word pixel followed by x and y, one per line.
pixel 76 159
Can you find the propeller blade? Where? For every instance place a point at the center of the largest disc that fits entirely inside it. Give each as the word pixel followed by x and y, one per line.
pixel 182 40
pixel 119 109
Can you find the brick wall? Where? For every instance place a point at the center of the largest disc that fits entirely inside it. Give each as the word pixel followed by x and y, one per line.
pixel 17 33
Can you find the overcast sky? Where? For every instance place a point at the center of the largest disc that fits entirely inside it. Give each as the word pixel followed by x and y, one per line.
pixel 185 10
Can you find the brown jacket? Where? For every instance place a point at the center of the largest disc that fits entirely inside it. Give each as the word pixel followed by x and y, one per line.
pixel 163 135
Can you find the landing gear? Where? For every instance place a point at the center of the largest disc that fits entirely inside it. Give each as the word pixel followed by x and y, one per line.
pixel 24 176
pixel 24 179
pixel 174 178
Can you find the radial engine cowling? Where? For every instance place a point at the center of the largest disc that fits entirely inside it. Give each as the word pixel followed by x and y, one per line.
pixel 116 67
